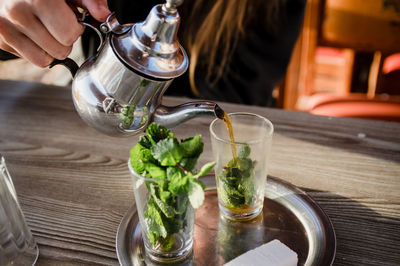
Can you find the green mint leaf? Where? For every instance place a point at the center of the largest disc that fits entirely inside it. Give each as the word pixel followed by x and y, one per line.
pixel 232 196
pixel 142 153
pixel 168 243
pixel 168 211
pixel 154 220
pixel 245 164
pixel 205 169
pixel 138 166
pixel 196 193
pixel 151 234
pixel 167 152
pixel 155 171
pixel 181 203
pixel 188 163
pixel 165 196
pixel 249 192
pixel 244 151
pixel 138 155
pixel 179 185
pixel 174 225
pixel 237 178
pixel 174 173
pixel 155 229
pixel 160 156
pixel 232 171
pixel 158 132
pixel 229 180
pixel 192 147
pixel 232 163
pixel 146 141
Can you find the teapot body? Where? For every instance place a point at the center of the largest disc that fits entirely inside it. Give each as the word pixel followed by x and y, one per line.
pixel 119 90
pixel 113 98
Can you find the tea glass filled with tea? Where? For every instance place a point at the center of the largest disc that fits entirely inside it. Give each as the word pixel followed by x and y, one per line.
pixel 241 145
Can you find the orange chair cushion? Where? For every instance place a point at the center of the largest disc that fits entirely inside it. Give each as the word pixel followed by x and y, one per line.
pixel 391 63
pixel 357 106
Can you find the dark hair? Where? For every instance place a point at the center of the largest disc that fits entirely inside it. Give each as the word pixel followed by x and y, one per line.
pixel 215 37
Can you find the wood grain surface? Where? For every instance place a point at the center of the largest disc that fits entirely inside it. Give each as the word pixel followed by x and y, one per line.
pixel 74 186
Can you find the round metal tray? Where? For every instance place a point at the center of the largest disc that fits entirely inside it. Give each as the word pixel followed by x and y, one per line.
pixel 289 215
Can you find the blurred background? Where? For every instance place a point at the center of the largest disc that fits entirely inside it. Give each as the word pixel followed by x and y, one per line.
pixel 346 62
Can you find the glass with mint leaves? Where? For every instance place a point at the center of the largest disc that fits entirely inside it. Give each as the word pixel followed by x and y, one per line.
pixel 167 189
pixel 241 144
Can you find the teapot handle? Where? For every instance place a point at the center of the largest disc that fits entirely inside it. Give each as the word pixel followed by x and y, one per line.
pixel 68 63
pixel 89 21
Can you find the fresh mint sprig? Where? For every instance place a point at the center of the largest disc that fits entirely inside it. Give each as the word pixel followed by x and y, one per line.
pixel 237 183
pixel 160 156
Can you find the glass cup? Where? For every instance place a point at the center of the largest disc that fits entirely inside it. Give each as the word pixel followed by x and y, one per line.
pixel 241 165
pixel 17 245
pixel 167 234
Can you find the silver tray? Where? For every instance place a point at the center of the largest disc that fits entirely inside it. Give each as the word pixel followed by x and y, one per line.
pixel 289 215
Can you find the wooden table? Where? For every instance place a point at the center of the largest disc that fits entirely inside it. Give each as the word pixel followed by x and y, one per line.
pixel 74 186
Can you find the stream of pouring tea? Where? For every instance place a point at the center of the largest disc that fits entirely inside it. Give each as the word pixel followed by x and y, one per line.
pixel 228 123
pixel 221 114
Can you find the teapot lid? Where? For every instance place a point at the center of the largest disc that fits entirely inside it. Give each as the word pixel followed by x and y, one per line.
pixel 151 47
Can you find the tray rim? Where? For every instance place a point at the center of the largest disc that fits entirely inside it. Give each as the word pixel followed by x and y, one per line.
pixel 330 235
pixel 329 231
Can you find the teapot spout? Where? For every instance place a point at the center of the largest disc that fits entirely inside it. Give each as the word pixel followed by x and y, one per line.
pixel 170 117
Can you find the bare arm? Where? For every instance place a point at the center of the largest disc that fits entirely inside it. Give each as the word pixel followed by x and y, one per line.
pixel 41 30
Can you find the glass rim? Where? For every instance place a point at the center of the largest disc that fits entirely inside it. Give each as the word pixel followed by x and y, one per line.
pixel 269 132
pixel 133 172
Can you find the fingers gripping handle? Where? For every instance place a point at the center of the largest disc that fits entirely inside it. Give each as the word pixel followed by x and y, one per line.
pixel 86 20
pixel 68 63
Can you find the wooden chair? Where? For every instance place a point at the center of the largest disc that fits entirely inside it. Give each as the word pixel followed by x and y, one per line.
pixel 356 25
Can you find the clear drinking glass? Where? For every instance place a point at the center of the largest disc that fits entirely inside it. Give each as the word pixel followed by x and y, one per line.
pixel 166 239
pixel 17 245
pixel 241 166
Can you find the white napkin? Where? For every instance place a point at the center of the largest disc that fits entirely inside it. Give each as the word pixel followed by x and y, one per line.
pixel 273 253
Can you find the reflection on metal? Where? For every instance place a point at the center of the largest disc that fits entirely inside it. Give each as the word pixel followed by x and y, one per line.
pixel 120 89
pixel 289 215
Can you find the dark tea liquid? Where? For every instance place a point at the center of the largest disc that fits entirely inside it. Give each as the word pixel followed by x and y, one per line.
pixel 221 114
pixel 228 123
pixel 239 200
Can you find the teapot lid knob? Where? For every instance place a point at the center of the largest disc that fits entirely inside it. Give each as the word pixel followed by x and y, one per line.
pixel 172 4
pixel 151 47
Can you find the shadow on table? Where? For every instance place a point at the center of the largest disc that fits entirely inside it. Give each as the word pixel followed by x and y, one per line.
pixel 363 236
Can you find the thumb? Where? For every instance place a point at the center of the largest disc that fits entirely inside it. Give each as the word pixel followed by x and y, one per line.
pixel 97 8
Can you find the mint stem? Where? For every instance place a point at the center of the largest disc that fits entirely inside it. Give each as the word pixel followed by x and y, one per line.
pixel 183 169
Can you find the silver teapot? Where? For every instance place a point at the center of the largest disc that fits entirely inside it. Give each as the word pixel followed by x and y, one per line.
pixel 119 90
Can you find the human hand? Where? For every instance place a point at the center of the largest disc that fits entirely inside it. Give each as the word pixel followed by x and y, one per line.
pixel 41 30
